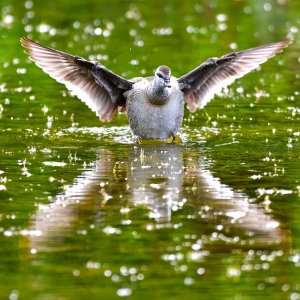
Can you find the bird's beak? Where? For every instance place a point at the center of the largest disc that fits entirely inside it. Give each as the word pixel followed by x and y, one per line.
pixel 167 83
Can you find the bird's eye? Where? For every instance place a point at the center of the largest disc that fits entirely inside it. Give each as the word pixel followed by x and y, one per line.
pixel 159 75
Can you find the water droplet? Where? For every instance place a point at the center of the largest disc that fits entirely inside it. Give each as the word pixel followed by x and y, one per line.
pixel 267 6
pixel 200 271
pixel 189 281
pixel 76 273
pixel 124 292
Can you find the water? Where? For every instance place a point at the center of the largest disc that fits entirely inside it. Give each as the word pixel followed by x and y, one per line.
pixel 85 213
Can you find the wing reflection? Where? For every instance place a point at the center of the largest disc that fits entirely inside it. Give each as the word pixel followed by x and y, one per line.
pixel 165 181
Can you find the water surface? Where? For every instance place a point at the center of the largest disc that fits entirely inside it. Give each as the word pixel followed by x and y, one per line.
pixel 86 213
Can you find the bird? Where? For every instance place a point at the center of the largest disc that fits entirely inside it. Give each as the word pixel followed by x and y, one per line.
pixel 154 105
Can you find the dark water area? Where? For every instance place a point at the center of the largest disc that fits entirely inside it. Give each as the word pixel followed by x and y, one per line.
pixel 87 213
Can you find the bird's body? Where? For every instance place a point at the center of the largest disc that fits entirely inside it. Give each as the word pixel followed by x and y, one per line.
pixel 154 105
pixel 152 120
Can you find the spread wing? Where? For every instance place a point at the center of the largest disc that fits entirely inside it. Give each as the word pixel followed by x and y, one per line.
pixel 101 89
pixel 200 85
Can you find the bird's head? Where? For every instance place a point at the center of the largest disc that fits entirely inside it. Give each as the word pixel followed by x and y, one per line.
pixel 163 76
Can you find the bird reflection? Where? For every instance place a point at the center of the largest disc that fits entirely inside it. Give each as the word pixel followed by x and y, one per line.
pixel 163 180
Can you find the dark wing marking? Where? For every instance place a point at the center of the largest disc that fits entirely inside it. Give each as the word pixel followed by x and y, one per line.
pixel 100 89
pixel 201 84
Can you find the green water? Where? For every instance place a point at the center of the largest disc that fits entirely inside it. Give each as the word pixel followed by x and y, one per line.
pixel 85 213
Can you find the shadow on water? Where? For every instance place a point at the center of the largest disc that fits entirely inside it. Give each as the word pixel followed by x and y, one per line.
pixel 159 187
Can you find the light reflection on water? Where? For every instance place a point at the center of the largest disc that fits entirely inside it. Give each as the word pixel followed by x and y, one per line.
pixel 163 179
pixel 149 221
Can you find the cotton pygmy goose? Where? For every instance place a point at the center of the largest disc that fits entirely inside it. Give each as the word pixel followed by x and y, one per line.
pixel 154 104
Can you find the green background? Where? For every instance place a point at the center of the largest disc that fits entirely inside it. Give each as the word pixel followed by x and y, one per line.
pixel 85 213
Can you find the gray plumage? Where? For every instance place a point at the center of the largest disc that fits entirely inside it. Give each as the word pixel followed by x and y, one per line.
pixel 154 105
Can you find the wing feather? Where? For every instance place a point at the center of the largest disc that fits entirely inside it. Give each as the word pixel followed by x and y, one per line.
pixel 201 84
pixel 99 88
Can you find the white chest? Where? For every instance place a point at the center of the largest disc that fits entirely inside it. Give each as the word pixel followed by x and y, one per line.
pixel 154 121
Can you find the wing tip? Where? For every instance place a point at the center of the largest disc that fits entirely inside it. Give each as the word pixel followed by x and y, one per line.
pixel 29 47
pixel 288 41
pixel 192 107
pixel 283 44
pixel 107 117
pixel 23 40
pixel 26 42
